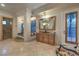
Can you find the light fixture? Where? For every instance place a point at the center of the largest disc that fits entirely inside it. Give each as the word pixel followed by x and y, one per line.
pixel 45 16
pixel 44 24
pixel 33 18
pixel 45 21
pixel 3 5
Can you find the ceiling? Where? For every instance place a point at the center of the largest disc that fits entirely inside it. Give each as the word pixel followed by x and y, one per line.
pixel 35 7
pixel 54 6
pixel 15 7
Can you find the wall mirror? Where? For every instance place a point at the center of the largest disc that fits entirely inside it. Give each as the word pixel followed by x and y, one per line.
pixel 33 26
pixel 20 26
pixel 47 23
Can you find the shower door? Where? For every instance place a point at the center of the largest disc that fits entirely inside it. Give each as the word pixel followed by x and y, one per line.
pixel 71 27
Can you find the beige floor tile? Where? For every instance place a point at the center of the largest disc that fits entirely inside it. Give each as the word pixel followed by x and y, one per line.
pixel 33 48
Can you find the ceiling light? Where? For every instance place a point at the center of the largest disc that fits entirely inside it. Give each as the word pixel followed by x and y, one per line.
pixel 3 5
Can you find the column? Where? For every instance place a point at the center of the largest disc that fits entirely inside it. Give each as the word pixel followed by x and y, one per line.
pixel 14 29
pixel 1 34
pixel 27 25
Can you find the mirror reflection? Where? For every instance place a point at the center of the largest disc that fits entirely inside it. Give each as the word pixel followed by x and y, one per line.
pixel 20 26
pixel 47 23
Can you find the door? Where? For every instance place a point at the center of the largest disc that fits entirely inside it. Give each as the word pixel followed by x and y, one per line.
pixel 7 28
pixel 71 27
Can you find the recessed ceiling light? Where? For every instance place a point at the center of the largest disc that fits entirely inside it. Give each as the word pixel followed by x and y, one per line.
pixel 3 5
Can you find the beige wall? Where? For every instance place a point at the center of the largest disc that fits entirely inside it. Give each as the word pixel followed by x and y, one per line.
pixel 60 21
pixel 5 14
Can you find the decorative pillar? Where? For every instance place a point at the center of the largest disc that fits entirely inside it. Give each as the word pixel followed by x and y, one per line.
pixel 27 25
pixel 1 34
pixel 14 32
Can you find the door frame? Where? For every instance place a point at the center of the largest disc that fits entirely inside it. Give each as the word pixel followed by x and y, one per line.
pixel 11 26
pixel 66 28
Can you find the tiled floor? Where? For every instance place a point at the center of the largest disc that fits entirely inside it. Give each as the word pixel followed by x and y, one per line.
pixel 33 48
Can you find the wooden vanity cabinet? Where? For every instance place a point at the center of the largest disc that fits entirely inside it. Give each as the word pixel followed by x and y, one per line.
pixel 46 38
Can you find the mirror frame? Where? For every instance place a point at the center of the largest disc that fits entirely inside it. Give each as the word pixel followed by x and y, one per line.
pixel 50 18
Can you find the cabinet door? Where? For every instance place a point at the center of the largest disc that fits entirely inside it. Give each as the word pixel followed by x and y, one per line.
pixel 46 38
pixel 41 38
pixel 52 39
pixel 37 36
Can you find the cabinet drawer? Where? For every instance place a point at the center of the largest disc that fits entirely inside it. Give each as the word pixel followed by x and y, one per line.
pixel 45 40
pixel 41 38
pixel 51 42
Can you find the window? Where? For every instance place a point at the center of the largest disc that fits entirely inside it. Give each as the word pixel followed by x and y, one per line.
pixel 71 27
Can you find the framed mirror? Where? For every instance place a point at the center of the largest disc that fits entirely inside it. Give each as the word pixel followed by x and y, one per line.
pixel 41 27
pixel 33 26
pixel 20 26
pixel 52 23
pixel 48 23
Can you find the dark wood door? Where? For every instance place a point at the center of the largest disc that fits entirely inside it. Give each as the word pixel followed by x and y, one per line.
pixel 7 28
